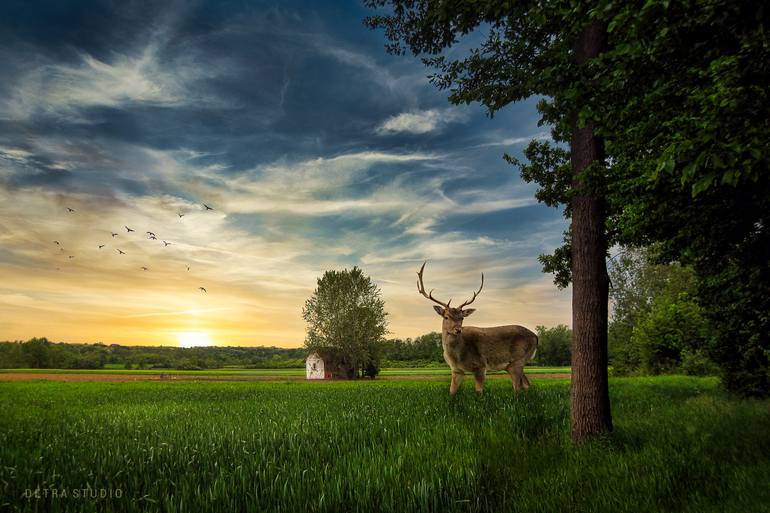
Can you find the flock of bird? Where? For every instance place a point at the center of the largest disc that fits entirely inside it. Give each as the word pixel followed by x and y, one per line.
pixel 150 236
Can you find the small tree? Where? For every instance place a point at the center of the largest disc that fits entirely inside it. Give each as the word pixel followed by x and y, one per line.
pixel 346 313
pixel 37 353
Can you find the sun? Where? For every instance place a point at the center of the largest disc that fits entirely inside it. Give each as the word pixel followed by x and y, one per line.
pixel 193 339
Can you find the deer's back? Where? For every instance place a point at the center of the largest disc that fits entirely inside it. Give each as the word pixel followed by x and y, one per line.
pixel 496 348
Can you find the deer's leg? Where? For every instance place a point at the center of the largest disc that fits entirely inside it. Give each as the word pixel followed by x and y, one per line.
pixel 480 376
pixel 517 372
pixel 457 379
pixel 524 381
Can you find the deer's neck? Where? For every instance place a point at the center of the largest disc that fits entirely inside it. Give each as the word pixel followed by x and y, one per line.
pixel 453 349
pixel 450 340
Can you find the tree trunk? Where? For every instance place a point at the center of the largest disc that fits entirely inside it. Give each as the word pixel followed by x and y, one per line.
pixel 589 394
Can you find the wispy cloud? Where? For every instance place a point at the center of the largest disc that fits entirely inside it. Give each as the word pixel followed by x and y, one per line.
pixel 421 122
pixel 16 155
pixel 128 77
pixel 513 141
pixel 404 84
pixel 332 186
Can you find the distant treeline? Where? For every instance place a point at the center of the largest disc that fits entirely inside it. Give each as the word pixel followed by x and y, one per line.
pixel 39 353
pixel 426 351
pixel 422 351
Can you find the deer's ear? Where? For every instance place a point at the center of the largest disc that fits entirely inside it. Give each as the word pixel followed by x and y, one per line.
pixel 469 311
pixel 439 310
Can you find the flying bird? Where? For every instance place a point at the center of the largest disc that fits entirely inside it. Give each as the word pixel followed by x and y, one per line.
pixel 71 256
pixel 70 209
pixel 57 243
pixel 180 215
pixel 101 246
pixel 145 269
pixel 207 207
pixel 166 243
pixel 128 229
pixel 152 237
pixel 201 288
pixel 120 252
pixel 188 267
pixel 151 234
pixel 114 234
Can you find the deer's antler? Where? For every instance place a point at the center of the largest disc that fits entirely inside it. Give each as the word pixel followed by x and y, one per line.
pixel 474 294
pixel 421 288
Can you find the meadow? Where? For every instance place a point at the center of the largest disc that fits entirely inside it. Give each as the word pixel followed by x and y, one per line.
pixel 245 373
pixel 680 445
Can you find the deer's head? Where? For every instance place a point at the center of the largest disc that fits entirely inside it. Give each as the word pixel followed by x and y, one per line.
pixel 453 317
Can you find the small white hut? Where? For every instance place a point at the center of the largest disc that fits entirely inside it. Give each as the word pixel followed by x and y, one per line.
pixel 314 366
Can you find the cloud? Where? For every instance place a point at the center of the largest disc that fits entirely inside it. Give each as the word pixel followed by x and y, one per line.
pixel 127 79
pixel 404 84
pixel 513 141
pixel 420 122
pixel 313 187
pixel 16 155
pixel 405 187
pixel 134 76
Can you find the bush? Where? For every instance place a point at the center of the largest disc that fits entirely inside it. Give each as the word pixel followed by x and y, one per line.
pixel 671 328
pixel 696 363
pixel 554 345
pixel 87 362
pixel 187 365
pixel 371 370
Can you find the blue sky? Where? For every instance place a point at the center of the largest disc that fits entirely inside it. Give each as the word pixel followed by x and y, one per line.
pixel 316 149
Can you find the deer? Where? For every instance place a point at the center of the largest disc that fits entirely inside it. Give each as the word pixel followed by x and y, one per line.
pixel 478 350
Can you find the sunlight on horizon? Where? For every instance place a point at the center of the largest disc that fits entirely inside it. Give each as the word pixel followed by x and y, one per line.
pixel 194 339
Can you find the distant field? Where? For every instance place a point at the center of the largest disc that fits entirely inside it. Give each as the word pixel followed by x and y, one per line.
pixel 680 445
pixel 267 373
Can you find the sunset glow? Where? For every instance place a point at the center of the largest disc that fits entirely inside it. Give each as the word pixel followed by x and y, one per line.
pixel 194 339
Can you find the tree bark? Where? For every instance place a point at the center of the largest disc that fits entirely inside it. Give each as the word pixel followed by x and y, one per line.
pixel 589 392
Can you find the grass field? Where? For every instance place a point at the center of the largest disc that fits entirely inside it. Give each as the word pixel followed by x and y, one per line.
pixel 406 371
pixel 679 445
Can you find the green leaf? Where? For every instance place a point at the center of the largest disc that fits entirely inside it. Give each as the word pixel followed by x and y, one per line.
pixel 702 184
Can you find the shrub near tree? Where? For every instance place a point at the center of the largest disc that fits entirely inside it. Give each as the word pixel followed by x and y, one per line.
pixel 673 328
pixel 346 315
pixel 554 345
pixel 657 326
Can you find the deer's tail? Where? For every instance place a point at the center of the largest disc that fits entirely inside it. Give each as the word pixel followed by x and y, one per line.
pixel 534 351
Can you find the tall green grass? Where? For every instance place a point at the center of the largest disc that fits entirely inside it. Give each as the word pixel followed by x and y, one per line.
pixel 679 445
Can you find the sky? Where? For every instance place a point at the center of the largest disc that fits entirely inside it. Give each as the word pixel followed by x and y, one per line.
pixel 315 148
